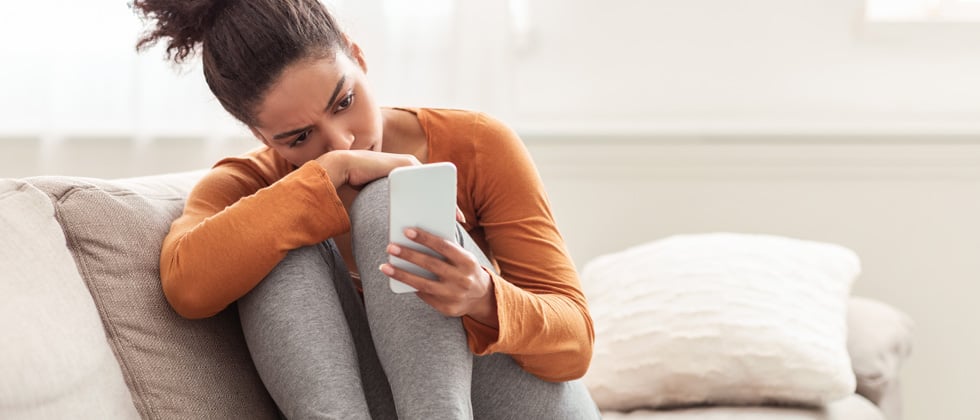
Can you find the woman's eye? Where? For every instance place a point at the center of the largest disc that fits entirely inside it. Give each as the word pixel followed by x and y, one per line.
pixel 346 102
pixel 299 139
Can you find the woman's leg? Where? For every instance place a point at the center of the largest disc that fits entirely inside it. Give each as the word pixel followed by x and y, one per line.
pixel 307 333
pixel 502 390
pixel 423 352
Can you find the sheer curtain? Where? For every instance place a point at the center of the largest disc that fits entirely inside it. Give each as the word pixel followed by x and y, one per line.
pixel 449 53
pixel 70 70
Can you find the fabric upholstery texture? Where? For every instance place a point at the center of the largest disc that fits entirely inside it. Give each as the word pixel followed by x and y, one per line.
pixel 879 340
pixel 174 367
pixel 853 407
pixel 54 358
pixel 720 319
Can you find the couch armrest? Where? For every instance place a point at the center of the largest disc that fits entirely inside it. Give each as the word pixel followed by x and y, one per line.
pixel 879 339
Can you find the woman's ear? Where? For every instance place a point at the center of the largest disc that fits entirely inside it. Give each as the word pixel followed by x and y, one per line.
pixel 259 136
pixel 356 53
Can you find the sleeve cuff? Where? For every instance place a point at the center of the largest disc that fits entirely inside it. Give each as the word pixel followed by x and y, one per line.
pixel 482 338
pixel 335 208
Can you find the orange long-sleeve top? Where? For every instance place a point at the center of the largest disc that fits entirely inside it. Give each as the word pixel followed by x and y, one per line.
pixel 246 213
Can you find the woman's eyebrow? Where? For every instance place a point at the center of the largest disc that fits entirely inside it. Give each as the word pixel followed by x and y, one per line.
pixel 291 133
pixel 336 90
pixel 333 98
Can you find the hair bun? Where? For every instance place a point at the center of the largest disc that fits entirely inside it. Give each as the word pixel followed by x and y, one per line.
pixel 185 22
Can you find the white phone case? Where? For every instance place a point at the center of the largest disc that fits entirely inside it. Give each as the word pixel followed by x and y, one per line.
pixel 422 196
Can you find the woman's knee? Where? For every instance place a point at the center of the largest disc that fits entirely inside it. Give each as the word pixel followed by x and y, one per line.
pixel 310 254
pixel 301 261
pixel 369 211
pixel 371 201
pixel 291 275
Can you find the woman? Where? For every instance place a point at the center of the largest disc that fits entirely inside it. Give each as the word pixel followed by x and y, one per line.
pixel 296 233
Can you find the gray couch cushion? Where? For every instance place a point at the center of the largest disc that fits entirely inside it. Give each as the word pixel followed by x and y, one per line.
pixel 175 368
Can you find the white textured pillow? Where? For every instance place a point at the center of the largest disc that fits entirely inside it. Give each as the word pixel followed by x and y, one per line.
pixel 720 319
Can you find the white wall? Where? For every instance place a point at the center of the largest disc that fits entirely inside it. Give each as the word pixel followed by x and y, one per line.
pixel 760 65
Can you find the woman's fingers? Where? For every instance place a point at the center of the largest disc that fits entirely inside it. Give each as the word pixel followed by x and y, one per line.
pixel 422 284
pixel 431 264
pixel 453 252
pixel 463 286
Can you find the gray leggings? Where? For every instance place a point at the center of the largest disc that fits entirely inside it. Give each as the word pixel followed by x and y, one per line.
pixel 322 353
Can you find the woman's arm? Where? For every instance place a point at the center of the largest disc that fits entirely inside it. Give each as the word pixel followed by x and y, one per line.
pixel 247 213
pixel 543 319
pixel 238 223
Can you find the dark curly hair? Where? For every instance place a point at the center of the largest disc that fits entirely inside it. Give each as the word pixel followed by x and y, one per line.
pixel 245 44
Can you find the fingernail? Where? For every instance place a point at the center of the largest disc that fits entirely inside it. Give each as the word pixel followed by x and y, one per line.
pixel 385 268
pixel 394 249
pixel 411 233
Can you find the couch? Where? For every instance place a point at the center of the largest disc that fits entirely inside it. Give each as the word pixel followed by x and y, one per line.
pixel 87 333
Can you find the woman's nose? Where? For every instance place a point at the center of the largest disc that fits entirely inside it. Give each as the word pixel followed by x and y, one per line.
pixel 339 139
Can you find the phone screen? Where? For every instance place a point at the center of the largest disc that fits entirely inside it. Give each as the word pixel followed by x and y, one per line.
pixel 424 197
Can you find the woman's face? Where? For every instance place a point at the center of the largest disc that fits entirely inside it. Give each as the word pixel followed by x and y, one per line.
pixel 319 106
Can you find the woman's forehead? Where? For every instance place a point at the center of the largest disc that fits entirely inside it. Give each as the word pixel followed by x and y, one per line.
pixel 303 88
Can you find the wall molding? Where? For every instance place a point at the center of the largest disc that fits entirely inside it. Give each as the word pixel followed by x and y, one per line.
pixel 958 159
pixel 613 137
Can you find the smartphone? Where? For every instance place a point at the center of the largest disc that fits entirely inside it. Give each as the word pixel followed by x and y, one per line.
pixel 424 197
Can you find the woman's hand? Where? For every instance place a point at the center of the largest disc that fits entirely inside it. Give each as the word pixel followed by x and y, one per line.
pixel 464 288
pixel 359 167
